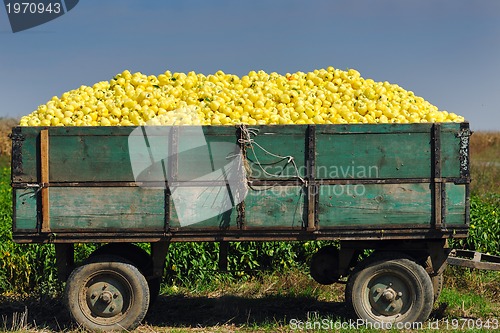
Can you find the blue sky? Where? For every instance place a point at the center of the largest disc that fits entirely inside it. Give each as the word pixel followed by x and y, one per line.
pixel 447 51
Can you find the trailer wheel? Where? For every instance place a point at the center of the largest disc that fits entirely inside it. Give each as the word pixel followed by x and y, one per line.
pixel 140 258
pixel 107 293
pixel 389 289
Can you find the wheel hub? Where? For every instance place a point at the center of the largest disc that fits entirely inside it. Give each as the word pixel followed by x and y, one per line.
pixel 386 298
pixel 104 299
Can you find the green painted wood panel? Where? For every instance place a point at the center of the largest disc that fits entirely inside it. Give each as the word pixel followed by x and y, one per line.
pixel 183 154
pixel 88 131
pixel 202 152
pixel 275 207
pixel 222 220
pixel 25 163
pixel 455 204
pixel 373 155
pixel 101 154
pixel 268 155
pixel 343 151
pixel 89 159
pixel 25 212
pixel 374 128
pixel 201 207
pixel 374 204
pixel 450 153
pixel 95 155
pixel 105 208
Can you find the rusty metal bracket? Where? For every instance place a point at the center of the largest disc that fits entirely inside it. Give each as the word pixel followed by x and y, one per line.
pixel 464 151
pixel 473 259
pixel 312 189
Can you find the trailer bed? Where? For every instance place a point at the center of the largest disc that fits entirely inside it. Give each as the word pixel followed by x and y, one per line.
pixel 301 182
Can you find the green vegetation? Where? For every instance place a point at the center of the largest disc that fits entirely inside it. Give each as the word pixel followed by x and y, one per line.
pixel 195 265
pixel 484 232
pixel 25 268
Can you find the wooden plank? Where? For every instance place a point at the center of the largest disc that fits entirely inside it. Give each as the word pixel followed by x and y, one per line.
pixel 203 160
pixel 123 131
pixel 455 204
pixel 268 155
pixel 275 207
pixel 25 216
pixel 44 175
pixel 108 158
pixel 105 148
pixel 450 153
pixel 109 208
pixel 373 128
pixel 450 146
pixel 25 156
pixel 223 221
pixel 201 207
pixel 373 156
pixel 473 259
pixel 90 158
pixel 374 205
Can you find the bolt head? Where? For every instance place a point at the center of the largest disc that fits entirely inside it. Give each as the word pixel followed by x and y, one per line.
pixel 106 297
pixel 389 296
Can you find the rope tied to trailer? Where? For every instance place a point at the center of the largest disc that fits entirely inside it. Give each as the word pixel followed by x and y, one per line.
pixel 251 143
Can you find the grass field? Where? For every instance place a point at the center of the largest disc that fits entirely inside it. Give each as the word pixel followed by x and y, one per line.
pixel 276 301
pixel 485 162
pixel 273 302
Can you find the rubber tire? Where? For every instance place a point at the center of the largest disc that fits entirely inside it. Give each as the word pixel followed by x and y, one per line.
pixel 320 270
pixel 416 279
pixel 103 267
pixel 140 258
